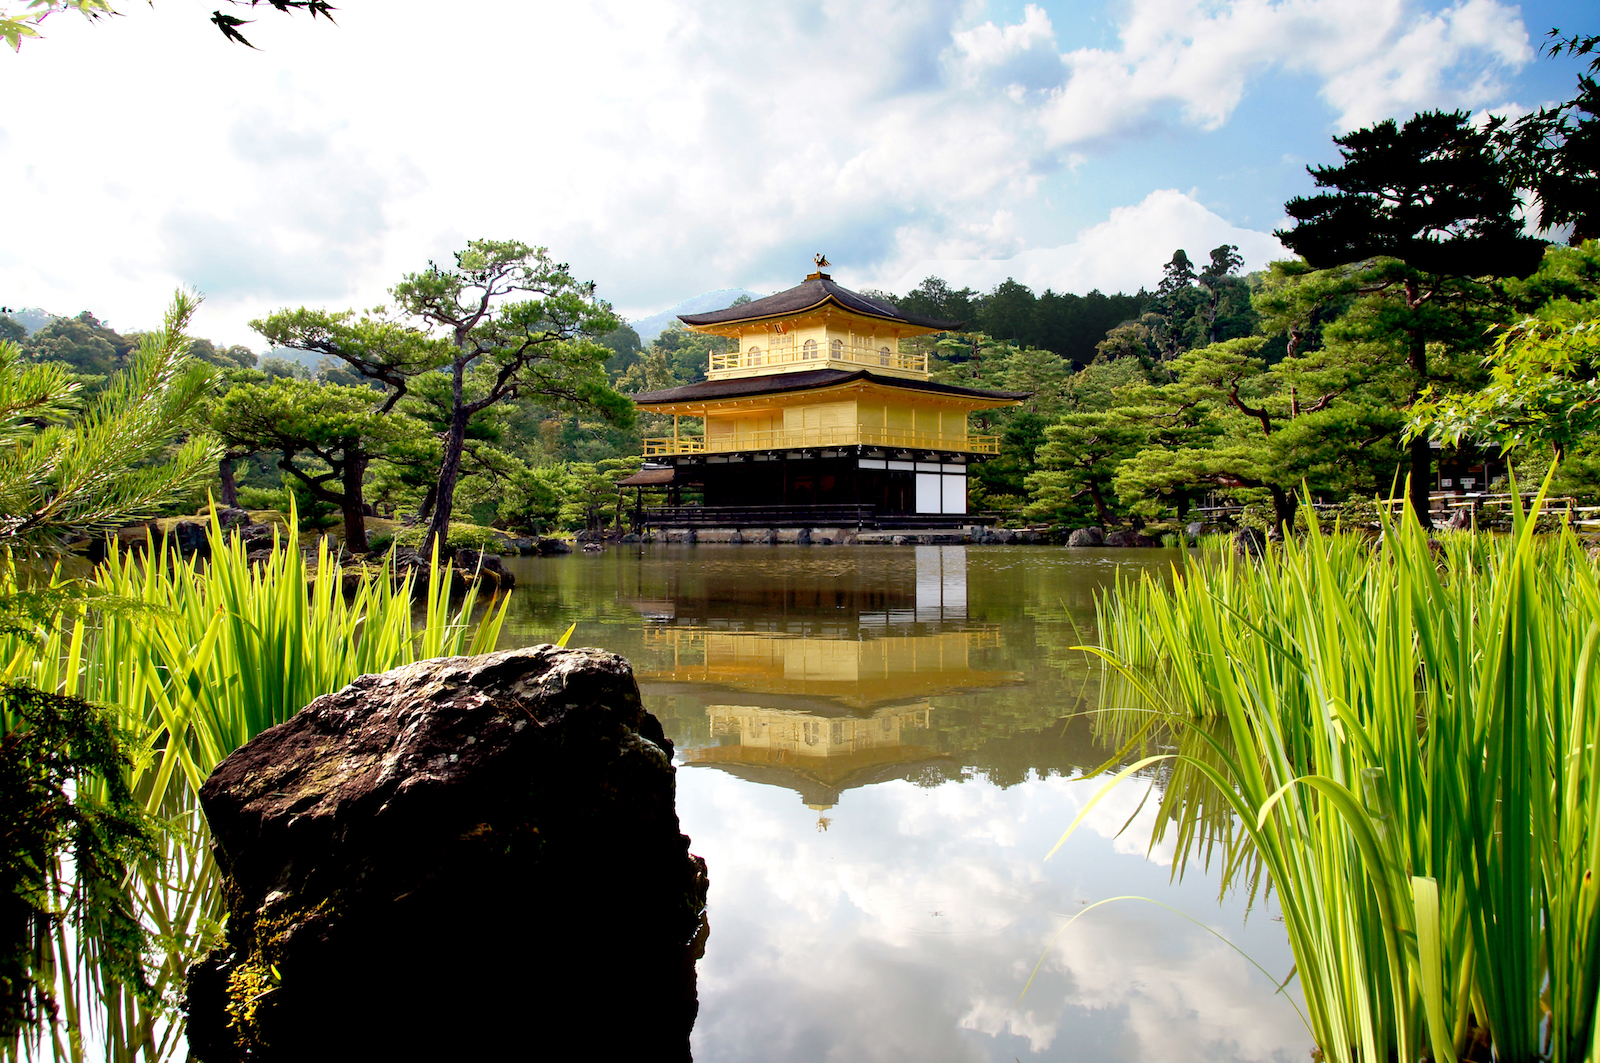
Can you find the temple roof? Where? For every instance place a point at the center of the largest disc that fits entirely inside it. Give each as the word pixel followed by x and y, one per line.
pixel 811 293
pixel 778 383
pixel 649 477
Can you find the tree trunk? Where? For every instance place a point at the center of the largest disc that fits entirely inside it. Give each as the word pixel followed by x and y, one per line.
pixel 1284 505
pixel 1099 504
pixel 425 510
pixel 450 469
pixel 230 489
pixel 1420 479
pixel 355 513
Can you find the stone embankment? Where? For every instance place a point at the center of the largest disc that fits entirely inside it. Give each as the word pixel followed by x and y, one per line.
pixel 977 535
pixel 464 858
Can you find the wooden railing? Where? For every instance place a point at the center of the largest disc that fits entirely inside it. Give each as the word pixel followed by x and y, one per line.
pixel 848 435
pixel 880 357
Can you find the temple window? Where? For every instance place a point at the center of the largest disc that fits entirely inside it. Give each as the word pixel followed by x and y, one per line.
pixel 836 349
pixel 753 356
pixel 884 357
pixel 809 351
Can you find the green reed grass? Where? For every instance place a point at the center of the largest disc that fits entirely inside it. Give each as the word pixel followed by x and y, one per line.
pixel 1403 735
pixel 197 658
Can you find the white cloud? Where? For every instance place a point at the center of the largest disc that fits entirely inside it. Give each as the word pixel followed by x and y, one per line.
pixel 1122 253
pixel 907 932
pixel 663 149
pixel 1375 58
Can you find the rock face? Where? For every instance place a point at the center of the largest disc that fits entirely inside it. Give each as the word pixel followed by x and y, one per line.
pixel 1091 536
pixel 461 858
pixel 471 563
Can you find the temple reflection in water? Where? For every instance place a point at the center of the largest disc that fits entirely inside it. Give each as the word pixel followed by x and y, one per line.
pixel 822 684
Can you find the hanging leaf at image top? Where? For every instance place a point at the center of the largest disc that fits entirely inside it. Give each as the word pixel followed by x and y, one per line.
pixel 17 24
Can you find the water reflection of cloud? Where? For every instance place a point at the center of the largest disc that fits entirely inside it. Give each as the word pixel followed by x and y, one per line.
pixel 907 930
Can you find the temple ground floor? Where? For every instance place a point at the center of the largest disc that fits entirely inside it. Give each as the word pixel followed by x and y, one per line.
pixel 861 486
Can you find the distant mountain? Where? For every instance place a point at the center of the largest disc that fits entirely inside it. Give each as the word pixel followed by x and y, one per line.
pixel 650 327
pixel 309 359
pixel 32 318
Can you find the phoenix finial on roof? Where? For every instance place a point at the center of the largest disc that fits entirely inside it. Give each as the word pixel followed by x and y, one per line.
pixel 821 260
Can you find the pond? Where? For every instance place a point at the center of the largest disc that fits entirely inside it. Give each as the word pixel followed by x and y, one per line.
pixel 877 746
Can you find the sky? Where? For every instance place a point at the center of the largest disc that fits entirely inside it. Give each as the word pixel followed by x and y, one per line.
pixel 673 147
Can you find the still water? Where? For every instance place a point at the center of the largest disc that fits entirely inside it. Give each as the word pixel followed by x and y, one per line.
pixel 877 746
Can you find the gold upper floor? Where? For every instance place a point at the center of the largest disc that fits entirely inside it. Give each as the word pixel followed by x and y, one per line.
pixel 827 337
pixel 761 354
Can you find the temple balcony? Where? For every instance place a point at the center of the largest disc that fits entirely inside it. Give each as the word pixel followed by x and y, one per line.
pixel 832 436
pixel 811 355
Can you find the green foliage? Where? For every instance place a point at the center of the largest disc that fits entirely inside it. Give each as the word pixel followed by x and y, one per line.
pixel 462 536
pixel 1430 192
pixel 235 357
pixel 936 299
pixel 625 347
pixel 1542 390
pixel 677 356
pixel 1068 325
pixel 63 765
pixel 1553 152
pixel 505 324
pixel 115 460
pixel 82 343
pixel 534 497
pixel 1080 460
pixel 263 498
pixel 592 490
pixel 192 670
pixel 325 435
pixel 1404 737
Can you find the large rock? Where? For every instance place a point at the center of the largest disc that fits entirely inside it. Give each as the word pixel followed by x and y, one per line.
pixel 231 517
pixel 1249 542
pixel 257 535
pixel 482 566
pixel 1090 536
pixel 463 858
pixel 1128 537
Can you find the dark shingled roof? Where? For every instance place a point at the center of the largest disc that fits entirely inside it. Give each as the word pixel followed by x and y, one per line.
pixel 647 477
pixel 779 383
pixel 813 292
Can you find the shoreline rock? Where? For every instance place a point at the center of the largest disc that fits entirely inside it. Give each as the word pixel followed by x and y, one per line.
pixel 454 859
